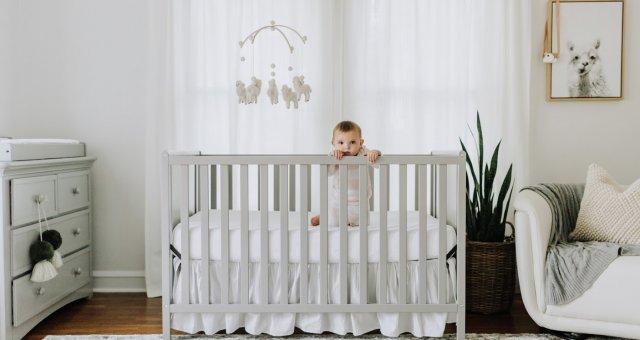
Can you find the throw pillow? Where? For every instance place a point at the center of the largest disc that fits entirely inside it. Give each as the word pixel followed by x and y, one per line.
pixel 608 212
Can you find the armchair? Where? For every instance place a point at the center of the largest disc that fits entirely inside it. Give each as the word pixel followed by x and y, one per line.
pixel 610 307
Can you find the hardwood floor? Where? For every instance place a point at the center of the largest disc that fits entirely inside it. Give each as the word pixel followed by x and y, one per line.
pixel 134 313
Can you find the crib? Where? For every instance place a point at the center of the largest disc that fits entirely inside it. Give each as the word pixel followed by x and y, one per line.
pixel 402 270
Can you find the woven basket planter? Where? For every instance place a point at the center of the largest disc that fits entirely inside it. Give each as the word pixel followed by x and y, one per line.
pixel 491 275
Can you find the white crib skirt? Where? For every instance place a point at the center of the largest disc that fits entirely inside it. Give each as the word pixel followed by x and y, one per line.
pixel 282 324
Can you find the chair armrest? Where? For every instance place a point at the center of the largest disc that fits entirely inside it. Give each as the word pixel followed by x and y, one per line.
pixel 532 231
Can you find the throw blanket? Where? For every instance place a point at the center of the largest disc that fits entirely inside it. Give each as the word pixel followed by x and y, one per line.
pixel 572 267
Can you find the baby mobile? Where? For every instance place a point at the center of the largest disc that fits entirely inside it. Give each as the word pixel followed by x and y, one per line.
pixel 248 94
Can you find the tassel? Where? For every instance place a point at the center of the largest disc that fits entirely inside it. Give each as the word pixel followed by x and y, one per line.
pixel 56 260
pixel 43 271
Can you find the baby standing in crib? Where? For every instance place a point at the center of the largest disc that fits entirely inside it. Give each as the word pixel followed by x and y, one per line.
pixel 347 141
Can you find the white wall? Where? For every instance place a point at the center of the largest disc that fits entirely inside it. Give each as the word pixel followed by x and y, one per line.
pixel 79 71
pixel 5 34
pixel 568 136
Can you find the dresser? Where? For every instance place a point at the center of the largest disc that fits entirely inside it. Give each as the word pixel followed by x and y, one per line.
pixel 64 188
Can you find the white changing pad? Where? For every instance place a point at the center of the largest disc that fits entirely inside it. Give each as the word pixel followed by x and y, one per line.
pixel 31 149
pixel 413 241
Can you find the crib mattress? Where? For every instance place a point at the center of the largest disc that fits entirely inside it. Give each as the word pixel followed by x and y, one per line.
pixel 413 247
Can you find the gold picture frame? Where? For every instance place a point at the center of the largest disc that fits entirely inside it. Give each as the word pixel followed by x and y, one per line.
pixel 590 63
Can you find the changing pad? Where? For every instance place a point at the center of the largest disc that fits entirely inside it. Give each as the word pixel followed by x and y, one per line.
pixel 31 149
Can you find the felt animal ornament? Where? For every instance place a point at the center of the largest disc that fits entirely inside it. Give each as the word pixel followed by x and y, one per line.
pixel 301 88
pixel 253 90
pixel 289 96
pixel 43 252
pixel 272 91
pixel 241 90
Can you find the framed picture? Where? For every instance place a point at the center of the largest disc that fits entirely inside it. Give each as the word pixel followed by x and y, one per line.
pixel 589 64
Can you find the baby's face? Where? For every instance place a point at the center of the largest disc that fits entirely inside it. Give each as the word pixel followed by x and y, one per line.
pixel 348 142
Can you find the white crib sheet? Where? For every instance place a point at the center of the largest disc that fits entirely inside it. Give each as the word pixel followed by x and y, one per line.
pixel 413 243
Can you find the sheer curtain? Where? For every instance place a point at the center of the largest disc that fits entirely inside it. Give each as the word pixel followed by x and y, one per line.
pixel 412 73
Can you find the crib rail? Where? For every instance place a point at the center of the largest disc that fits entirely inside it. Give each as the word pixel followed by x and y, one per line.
pixel 201 182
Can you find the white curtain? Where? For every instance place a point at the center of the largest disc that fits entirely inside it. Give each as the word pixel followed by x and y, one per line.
pixel 412 73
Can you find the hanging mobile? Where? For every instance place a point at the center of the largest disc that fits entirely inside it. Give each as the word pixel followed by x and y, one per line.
pixel 249 94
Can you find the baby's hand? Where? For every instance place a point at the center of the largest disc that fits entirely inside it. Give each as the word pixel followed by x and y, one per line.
pixel 372 156
pixel 337 154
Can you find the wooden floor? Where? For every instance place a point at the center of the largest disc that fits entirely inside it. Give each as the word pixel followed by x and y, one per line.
pixel 136 314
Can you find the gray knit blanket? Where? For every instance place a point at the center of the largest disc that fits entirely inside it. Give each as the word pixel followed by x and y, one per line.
pixel 572 267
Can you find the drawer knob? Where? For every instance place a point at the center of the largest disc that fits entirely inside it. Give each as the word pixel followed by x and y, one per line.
pixel 75 191
pixel 40 291
pixel 77 271
pixel 76 232
pixel 40 198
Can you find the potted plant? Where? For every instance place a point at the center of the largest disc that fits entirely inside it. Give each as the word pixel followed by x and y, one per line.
pixel 490 267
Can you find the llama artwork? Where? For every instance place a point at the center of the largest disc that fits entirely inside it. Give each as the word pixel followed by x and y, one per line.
pixel 585 74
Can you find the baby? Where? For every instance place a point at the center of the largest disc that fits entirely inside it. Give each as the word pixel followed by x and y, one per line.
pixel 347 141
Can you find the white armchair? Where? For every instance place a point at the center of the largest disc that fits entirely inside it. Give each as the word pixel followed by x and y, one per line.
pixel 610 307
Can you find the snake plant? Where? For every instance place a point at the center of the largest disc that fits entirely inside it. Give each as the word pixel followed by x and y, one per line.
pixel 486 219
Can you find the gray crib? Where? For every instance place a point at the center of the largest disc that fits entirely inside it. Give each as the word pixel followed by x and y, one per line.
pixel 216 190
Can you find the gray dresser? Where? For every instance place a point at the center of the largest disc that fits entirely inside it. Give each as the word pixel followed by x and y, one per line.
pixel 65 186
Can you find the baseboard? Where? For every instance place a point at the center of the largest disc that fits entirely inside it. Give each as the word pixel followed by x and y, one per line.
pixel 119 281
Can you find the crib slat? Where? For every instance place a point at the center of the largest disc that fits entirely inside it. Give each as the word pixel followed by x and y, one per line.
pixel 213 187
pixel 324 244
pixel 422 235
pixel 402 236
pixel 204 232
pixel 292 187
pixel 168 276
pixel 225 192
pixel 276 188
pixel 461 231
pixel 364 231
pixel 442 233
pixel 416 192
pixel 309 202
pixel 244 233
pixel 384 207
pixel 184 219
pixel 284 236
pixel 344 212
pixel 264 234
pixel 304 240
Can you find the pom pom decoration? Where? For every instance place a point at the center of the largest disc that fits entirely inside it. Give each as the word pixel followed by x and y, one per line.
pixel 40 251
pixel 43 251
pixel 43 271
pixel 53 236
pixel 56 260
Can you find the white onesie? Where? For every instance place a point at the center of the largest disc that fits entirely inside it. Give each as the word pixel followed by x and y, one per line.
pixel 353 193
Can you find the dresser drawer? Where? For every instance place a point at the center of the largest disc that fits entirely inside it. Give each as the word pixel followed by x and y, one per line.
pixel 73 191
pixel 25 192
pixel 30 298
pixel 74 229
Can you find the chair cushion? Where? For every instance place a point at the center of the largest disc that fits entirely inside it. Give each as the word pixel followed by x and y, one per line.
pixel 608 212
